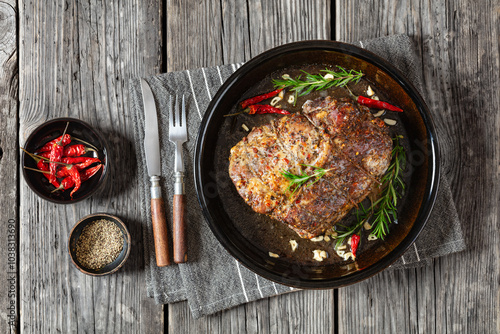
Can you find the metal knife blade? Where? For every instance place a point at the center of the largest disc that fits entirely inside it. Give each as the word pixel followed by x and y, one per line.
pixel 151 136
pixel 152 151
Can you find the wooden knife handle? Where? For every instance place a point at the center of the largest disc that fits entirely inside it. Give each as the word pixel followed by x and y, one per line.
pixel 160 233
pixel 180 245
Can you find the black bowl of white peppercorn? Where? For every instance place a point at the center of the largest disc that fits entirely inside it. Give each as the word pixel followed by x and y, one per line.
pixel 99 244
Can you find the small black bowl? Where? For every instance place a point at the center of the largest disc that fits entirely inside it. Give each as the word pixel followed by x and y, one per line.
pixel 49 131
pixel 111 267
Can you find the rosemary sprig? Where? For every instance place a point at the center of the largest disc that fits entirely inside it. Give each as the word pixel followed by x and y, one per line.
pixel 297 181
pixel 382 212
pixel 317 81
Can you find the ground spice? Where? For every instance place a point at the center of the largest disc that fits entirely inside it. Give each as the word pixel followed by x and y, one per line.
pixel 99 244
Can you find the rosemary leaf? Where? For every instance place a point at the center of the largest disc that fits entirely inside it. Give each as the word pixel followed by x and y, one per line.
pixel 313 82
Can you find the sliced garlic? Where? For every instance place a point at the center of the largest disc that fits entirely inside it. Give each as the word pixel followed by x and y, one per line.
pixel 291 99
pixel 275 100
pixel 347 256
pixel 340 253
pixel 375 97
pixel 379 113
pixel 294 245
pixel 367 225
pixel 285 76
pixel 271 254
pixel 341 247
pixel 349 241
pixel 372 237
pixel 319 255
pixel 327 238
pixel 328 76
pixel 389 121
pixel 281 94
pixel 369 91
pixel 334 234
pixel 320 238
pixel 245 127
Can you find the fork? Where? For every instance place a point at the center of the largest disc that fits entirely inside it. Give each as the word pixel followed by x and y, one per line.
pixel 178 135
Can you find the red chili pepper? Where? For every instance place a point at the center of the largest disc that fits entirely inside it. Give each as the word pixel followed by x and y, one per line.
pixel 354 244
pixel 56 155
pixel 66 183
pixel 375 104
pixel 48 146
pixel 75 175
pixel 42 166
pixel 79 160
pixel 44 154
pixel 89 172
pixel 266 109
pixel 259 98
pixel 66 170
pixel 76 150
pixel 86 174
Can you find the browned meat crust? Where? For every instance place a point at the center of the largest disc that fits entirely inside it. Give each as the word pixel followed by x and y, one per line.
pixel 331 134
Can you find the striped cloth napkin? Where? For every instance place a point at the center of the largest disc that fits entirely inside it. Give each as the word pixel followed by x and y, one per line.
pixel 213 280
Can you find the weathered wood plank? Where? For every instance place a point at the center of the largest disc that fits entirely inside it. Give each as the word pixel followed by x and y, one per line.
pixel 9 312
pixel 458 45
pixel 75 60
pixel 224 33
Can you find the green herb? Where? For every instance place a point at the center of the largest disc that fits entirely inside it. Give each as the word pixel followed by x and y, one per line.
pixel 317 81
pixel 382 212
pixel 297 181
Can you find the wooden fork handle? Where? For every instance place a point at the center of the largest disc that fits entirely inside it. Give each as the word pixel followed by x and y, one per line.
pixel 179 228
pixel 160 233
pixel 180 246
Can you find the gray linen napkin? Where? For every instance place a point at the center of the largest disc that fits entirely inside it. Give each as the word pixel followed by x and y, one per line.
pixel 213 280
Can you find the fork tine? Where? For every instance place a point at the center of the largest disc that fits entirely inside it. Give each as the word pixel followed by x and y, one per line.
pixel 184 124
pixel 171 114
pixel 177 122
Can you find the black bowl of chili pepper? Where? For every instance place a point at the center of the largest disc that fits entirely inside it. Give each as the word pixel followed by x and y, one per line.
pixel 64 160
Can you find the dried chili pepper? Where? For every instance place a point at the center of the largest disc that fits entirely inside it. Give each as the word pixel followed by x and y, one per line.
pixel 48 146
pixel 44 154
pixel 56 155
pixel 66 183
pixel 65 170
pixel 42 166
pixel 266 109
pixel 79 160
pixel 76 150
pixel 89 172
pixel 85 174
pixel 354 244
pixel 375 104
pixel 72 172
pixel 259 98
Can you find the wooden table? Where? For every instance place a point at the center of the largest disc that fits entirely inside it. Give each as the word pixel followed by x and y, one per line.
pixel 74 58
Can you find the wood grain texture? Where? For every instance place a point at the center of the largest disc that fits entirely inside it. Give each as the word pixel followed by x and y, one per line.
pixel 160 233
pixel 75 60
pixel 179 230
pixel 459 48
pixel 9 175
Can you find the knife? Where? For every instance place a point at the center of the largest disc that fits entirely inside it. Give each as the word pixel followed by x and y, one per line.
pixel 152 151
